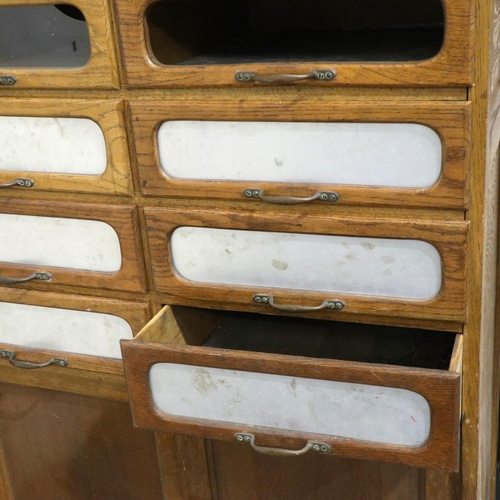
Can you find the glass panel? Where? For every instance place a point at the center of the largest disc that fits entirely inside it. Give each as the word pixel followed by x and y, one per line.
pixel 258 31
pixel 43 36
pixel 364 154
pixel 65 243
pixel 407 269
pixel 79 332
pixel 54 145
pixel 355 411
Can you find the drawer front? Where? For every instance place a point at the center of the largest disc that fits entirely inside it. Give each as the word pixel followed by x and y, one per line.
pixel 354 409
pixel 38 246
pixel 44 46
pixel 370 153
pixel 244 44
pixel 37 326
pixel 275 264
pixel 72 145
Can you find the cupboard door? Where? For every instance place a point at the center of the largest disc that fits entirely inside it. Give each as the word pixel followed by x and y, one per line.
pixel 401 154
pixel 217 42
pixel 63 145
pixel 59 446
pixel 48 45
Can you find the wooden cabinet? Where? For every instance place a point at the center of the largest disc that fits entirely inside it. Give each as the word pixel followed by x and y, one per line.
pixel 286 212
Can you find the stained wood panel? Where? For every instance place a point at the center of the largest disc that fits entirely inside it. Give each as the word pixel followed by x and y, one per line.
pixel 450 121
pixel 59 446
pixel 240 473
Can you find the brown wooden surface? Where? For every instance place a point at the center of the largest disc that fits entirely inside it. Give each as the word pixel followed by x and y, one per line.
pixel 448 238
pixel 100 71
pixel 59 446
pixel 440 389
pixel 480 367
pixel 180 325
pixel 452 66
pixel 184 467
pixel 240 473
pixel 117 178
pixel 123 219
pixel 135 313
pixel 450 121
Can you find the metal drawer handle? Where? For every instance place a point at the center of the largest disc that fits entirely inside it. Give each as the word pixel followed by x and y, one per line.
pixel 38 275
pixel 327 304
pixel 330 196
pixel 325 75
pixel 26 183
pixel 243 437
pixel 28 365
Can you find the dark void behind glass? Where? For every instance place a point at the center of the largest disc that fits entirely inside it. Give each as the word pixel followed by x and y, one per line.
pixel 198 32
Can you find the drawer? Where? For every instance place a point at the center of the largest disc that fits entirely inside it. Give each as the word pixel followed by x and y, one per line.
pixel 386 153
pixel 44 45
pixel 382 393
pixel 64 145
pixel 45 244
pixel 244 43
pixel 82 332
pixel 330 267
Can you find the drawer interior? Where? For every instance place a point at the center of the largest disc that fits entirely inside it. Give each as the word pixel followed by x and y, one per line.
pixel 201 32
pixel 43 36
pixel 406 347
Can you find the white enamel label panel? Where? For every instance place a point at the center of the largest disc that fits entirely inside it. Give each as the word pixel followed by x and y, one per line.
pixel 65 243
pixel 407 269
pixel 78 332
pixel 41 36
pixel 366 154
pixel 53 145
pixel 361 412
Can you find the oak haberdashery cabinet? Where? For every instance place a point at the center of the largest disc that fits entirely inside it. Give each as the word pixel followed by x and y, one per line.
pixel 249 249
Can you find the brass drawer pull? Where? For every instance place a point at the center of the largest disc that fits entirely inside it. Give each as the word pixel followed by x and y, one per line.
pixel 28 365
pixel 26 183
pixel 243 437
pixel 325 75
pixel 330 196
pixel 41 276
pixel 327 304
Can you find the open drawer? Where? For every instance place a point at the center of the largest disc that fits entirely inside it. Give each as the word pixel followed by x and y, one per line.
pixel 382 393
pixel 47 44
pixel 319 42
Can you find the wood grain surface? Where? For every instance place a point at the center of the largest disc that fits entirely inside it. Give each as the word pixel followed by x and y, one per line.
pixel 440 388
pixel 452 66
pixel 449 238
pixel 100 72
pixel 450 121
pixel 60 446
pixel 116 179
pixel 123 219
